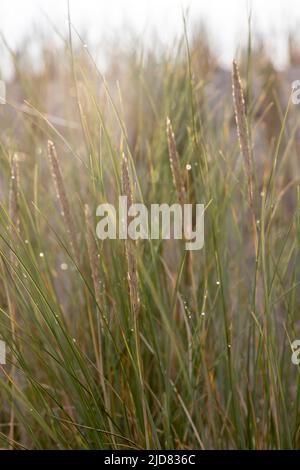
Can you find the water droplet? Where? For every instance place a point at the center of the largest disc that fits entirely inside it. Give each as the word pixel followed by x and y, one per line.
pixel 229 346
pixel 26 241
pixel 218 283
pixel 41 255
pixel 203 314
pixel 63 266
pixel 74 340
pixel 188 167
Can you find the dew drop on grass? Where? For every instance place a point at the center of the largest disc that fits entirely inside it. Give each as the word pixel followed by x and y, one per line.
pixel 188 167
pixel 63 266
pixel 218 283
pixel 41 254
pixel 203 314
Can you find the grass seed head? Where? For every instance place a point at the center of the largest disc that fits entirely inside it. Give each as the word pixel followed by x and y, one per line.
pixel 242 128
pixel 62 197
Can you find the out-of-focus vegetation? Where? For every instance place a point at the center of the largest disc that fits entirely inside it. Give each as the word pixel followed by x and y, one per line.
pixel 205 366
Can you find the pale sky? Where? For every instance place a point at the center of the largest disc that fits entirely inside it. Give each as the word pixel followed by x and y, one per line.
pixel 227 19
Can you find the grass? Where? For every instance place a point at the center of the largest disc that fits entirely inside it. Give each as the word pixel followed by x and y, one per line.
pixel 189 351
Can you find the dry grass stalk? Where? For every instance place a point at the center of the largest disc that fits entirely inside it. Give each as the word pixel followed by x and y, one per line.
pixel 62 196
pixel 175 164
pixel 242 129
pixel 130 244
pixel 244 141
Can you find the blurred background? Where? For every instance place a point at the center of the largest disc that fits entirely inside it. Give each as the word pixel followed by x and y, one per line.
pixel 133 42
pixel 226 21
